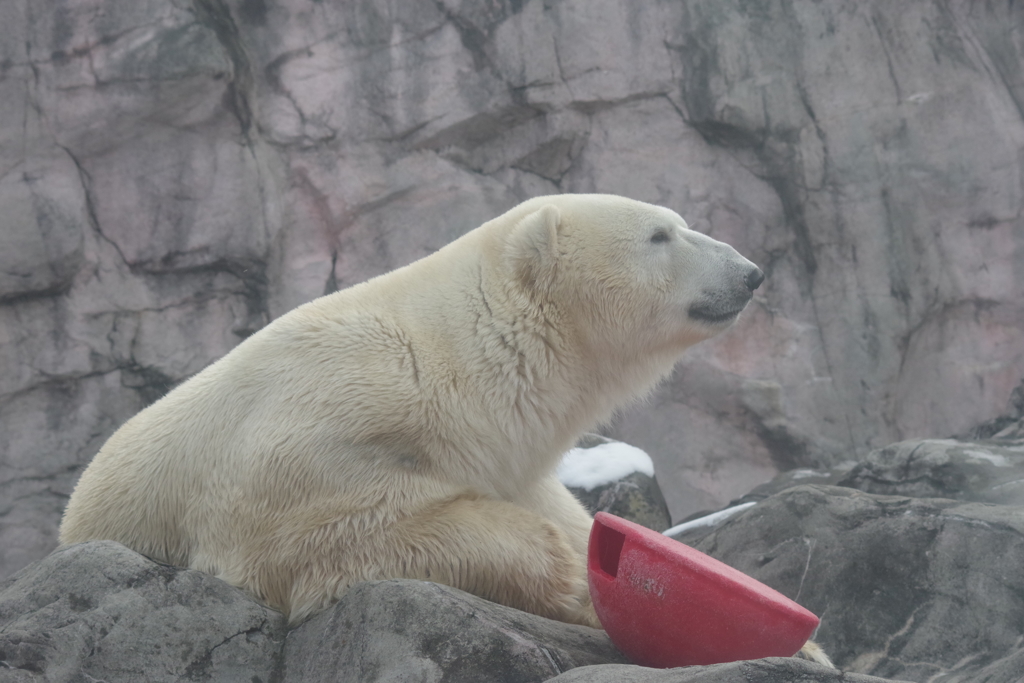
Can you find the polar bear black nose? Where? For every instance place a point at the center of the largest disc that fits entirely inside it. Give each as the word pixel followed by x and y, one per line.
pixel 754 279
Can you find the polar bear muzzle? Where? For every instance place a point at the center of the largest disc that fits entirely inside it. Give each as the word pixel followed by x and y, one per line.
pixel 723 304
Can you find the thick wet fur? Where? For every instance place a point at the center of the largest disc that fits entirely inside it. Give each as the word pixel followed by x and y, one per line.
pixel 409 426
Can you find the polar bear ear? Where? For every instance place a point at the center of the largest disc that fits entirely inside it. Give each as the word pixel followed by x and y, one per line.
pixel 533 248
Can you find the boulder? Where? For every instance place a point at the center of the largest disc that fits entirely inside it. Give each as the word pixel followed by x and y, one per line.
pixel 1006 427
pixel 404 630
pixel 921 589
pixel 987 472
pixel 784 480
pixel 100 612
pixel 772 670
pixel 635 496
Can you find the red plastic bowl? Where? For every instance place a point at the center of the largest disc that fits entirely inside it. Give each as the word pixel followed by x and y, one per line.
pixel 665 604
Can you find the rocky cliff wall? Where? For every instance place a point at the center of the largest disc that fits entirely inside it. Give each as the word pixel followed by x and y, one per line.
pixel 175 174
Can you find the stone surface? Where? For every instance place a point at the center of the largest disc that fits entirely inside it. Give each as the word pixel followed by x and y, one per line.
pixel 907 588
pixel 100 612
pixel 1006 427
pixel 987 472
pixel 175 173
pixel 636 497
pixel 759 671
pixel 420 631
pixel 920 589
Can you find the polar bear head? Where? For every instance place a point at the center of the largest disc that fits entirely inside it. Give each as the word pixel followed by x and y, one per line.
pixel 630 275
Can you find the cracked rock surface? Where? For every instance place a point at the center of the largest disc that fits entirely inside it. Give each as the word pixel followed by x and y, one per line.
pixel 986 472
pixel 100 612
pixel 636 496
pixel 759 671
pixel 421 631
pixel 917 589
pixel 920 589
pixel 176 173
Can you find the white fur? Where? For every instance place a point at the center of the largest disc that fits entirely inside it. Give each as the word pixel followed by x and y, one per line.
pixel 410 426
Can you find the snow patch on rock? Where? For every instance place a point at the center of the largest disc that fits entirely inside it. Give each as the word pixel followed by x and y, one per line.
pixel 708 520
pixel 588 468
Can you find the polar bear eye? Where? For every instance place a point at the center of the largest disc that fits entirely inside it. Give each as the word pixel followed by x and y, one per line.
pixel 661 235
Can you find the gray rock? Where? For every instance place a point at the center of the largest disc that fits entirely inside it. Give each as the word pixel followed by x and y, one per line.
pixel 1006 427
pixel 988 472
pixel 774 670
pixel 100 612
pixel 636 497
pixel 917 589
pixel 41 243
pixel 589 440
pixel 404 630
pixel 983 471
pixel 175 174
pixel 786 480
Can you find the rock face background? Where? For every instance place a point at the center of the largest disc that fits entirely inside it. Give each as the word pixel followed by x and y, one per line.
pixel 174 174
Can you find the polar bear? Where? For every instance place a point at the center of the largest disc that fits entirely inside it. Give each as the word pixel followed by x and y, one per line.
pixel 409 426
